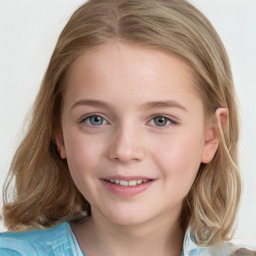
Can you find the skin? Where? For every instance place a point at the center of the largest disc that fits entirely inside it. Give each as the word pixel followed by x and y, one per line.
pixel 124 79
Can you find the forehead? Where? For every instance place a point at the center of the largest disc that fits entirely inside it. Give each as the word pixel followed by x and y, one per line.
pixel 118 67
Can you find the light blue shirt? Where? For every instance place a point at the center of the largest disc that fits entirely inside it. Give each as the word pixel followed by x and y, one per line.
pixel 60 241
pixel 56 241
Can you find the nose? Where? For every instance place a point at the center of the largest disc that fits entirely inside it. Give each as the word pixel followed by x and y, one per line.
pixel 126 145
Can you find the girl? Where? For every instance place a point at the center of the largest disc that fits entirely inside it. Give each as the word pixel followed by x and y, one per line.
pixel 132 146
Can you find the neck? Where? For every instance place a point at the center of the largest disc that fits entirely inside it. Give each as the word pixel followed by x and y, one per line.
pixel 159 238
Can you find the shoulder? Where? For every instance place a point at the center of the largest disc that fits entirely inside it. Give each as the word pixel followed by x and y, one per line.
pixel 51 241
pixel 231 248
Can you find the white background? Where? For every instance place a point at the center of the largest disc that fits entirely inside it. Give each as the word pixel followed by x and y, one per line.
pixel 28 33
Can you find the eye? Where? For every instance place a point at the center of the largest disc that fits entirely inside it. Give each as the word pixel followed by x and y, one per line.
pixel 94 120
pixel 161 121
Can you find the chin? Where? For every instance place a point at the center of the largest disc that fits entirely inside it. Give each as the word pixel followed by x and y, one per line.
pixel 127 218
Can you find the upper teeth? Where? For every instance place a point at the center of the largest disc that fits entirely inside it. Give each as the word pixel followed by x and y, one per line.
pixel 126 182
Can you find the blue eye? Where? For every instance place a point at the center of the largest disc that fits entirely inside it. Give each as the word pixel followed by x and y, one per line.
pixel 94 120
pixel 161 121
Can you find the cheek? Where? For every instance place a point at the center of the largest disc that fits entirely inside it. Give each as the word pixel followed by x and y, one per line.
pixel 83 154
pixel 179 157
pixel 83 158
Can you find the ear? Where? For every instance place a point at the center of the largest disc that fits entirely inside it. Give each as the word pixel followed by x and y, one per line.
pixel 212 129
pixel 60 143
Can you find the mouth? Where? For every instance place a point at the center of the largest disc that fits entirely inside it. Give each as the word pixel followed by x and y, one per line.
pixel 127 186
pixel 126 183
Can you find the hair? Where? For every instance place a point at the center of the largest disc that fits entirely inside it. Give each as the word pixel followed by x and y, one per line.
pixel 44 193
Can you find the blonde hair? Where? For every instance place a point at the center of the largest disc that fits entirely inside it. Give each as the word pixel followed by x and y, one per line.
pixel 44 191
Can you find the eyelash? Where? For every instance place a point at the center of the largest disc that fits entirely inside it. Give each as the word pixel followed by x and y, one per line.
pixel 87 117
pixel 170 121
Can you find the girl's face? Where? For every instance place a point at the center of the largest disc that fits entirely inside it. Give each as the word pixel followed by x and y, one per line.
pixel 133 132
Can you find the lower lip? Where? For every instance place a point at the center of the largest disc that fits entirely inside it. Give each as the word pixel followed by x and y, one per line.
pixel 127 191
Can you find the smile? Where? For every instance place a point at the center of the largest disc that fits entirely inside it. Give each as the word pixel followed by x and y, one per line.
pixel 130 183
pixel 127 186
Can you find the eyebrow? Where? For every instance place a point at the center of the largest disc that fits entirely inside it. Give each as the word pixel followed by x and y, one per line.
pixel 148 105
pixel 95 103
pixel 164 104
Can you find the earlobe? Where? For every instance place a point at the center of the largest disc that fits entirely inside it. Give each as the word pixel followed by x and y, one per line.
pixel 212 134
pixel 60 144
